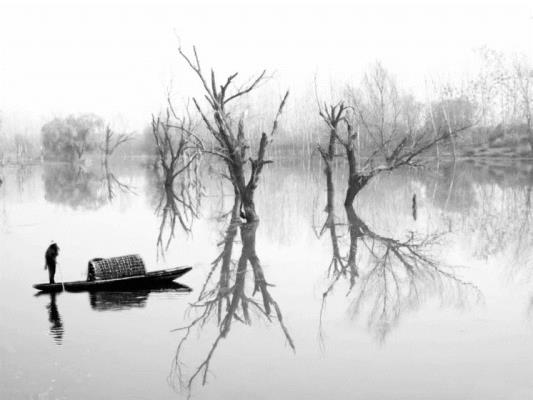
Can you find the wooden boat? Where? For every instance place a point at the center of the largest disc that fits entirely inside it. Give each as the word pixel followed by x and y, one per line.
pixel 125 272
pixel 139 281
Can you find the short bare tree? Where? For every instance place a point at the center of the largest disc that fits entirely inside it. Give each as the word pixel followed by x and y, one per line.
pixel 178 151
pixel 379 131
pixel 112 141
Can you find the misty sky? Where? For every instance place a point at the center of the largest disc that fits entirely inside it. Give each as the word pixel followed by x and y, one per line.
pixel 117 58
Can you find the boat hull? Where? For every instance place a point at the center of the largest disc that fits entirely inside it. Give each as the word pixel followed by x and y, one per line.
pixel 150 279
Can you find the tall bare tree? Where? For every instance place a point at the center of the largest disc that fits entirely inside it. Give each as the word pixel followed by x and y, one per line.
pixel 231 142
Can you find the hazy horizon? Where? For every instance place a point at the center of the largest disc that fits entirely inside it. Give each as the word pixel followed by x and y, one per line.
pixel 117 59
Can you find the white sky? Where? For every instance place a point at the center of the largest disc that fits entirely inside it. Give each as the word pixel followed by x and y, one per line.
pixel 117 58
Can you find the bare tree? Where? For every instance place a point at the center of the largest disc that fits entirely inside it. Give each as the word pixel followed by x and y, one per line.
pixel 523 84
pixel 231 143
pixel 339 263
pixel 392 136
pixel 178 150
pixel 510 83
pixel 112 141
pixel 389 274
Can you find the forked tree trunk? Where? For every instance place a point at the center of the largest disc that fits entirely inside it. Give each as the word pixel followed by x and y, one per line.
pixel 356 182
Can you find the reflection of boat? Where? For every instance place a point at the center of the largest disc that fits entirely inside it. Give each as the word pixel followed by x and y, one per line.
pixel 123 300
pixel 116 273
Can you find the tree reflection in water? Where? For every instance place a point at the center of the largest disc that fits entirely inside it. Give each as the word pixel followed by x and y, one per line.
pixel 387 276
pixel 24 173
pixel 176 202
pixel 72 185
pixel 177 175
pixel 111 184
pixel 229 294
pixel 80 187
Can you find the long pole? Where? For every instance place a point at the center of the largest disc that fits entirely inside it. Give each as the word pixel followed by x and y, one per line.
pixel 61 273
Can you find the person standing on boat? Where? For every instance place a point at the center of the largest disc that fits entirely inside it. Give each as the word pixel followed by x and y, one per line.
pixel 50 260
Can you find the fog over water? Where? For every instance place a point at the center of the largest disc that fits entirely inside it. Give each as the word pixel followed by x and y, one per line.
pixel 442 330
pixel 340 190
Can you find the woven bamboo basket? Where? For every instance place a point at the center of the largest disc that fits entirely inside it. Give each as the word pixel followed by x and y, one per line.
pixel 115 267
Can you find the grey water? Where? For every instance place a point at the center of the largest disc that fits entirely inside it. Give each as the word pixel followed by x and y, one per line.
pixel 436 303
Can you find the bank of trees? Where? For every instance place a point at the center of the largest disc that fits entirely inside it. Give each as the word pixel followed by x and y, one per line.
pixel 70 138
pixel 17 148
pixel 74 137
pixel 509 100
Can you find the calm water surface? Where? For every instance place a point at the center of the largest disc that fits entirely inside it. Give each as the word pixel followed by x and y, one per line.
pixel 435 302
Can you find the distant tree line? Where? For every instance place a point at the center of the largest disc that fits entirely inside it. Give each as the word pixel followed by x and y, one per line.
pixel 496 103
pixel 69 139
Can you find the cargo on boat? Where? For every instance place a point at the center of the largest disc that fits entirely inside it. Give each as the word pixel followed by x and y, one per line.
pixel 123 272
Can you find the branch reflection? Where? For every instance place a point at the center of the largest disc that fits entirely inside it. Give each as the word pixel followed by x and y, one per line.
pixel 231 292
pixel 111 184
pixel 177 201
pixel 72 185
pixel 387 276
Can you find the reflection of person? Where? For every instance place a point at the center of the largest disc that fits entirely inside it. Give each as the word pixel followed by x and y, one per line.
pixel 56 329
pixel 50 260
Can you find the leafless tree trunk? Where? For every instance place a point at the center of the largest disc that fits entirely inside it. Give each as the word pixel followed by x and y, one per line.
pixel 387 153
pixel 178 148
pixel 112 142
pixel 230 138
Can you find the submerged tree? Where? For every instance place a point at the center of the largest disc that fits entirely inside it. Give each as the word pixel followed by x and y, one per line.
pixel 178 150
pixel 380 131
pixel 112 141
pixel 387 274
pixel 339 263
pixel 231 142
pixel 225 295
